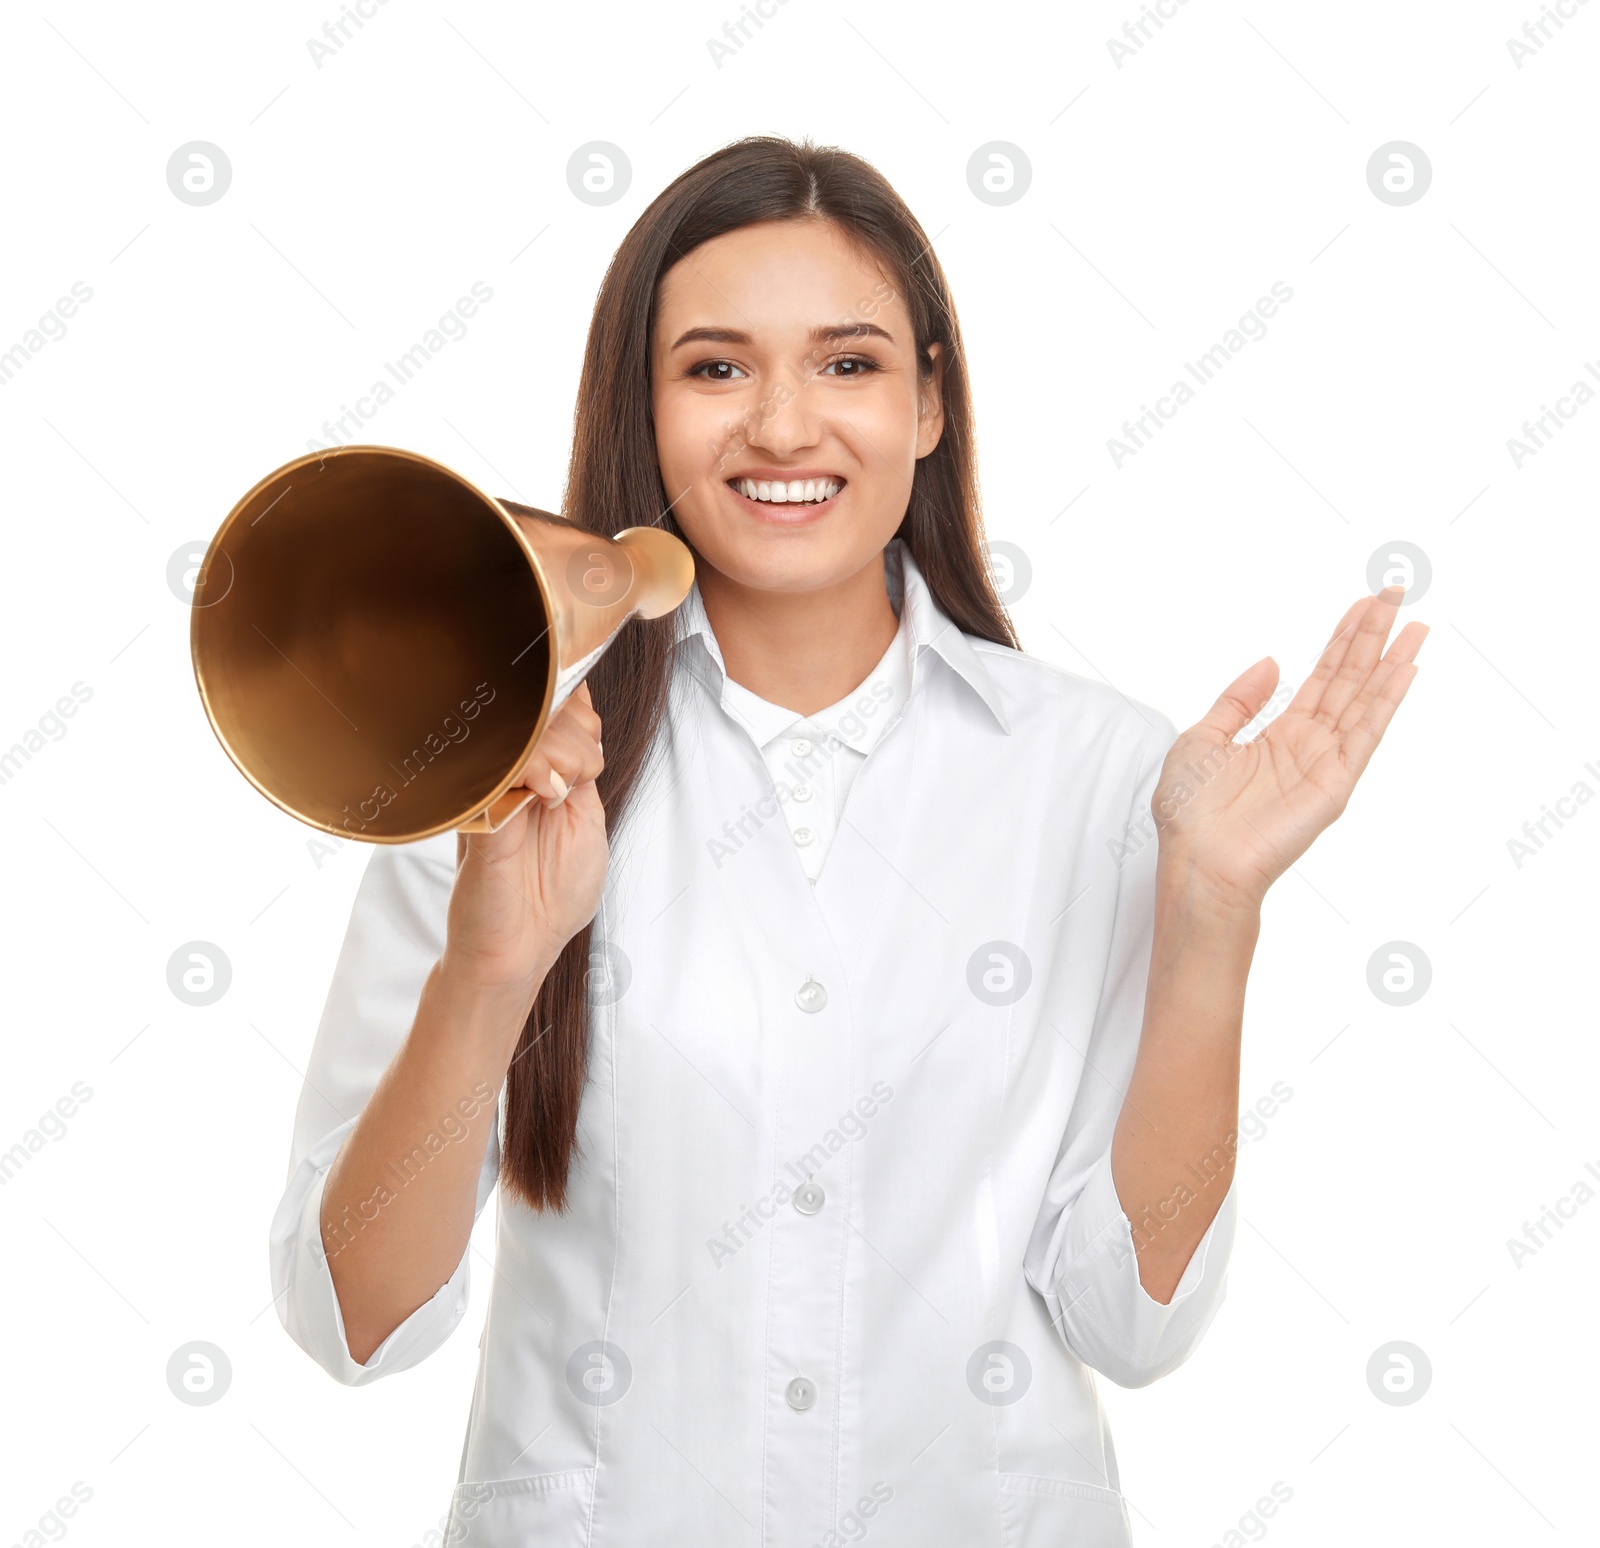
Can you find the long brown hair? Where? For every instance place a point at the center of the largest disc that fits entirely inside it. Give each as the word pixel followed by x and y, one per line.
pixel 614 481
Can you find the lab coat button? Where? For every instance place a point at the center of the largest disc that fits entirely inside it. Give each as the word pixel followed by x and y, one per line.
pixel 801 792
pixel 803 836
pixel 808 1198
pixel 800 748
pixel 811 996
pixel 800 1393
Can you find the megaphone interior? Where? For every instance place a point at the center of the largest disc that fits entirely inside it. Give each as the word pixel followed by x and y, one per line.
pixel 379 645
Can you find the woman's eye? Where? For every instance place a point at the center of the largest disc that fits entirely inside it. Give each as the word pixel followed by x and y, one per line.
pixel 712 370
pixel 726 371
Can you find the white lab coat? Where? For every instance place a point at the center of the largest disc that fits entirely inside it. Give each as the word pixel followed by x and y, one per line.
pixel 843 1252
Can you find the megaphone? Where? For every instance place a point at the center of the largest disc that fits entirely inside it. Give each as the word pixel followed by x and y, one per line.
pixel 379 645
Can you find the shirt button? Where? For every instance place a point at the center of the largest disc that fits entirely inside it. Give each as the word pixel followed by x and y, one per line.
pixel 800 1393
pixel 811 996
pixel 803 836
pixel 801 748
pixel 801 792
pixel 808 1198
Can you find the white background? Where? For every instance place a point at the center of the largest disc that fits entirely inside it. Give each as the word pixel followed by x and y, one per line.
pixel 1167 195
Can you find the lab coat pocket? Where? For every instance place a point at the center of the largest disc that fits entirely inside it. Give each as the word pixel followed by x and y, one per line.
pixel 1047 1512
pixel 543 1508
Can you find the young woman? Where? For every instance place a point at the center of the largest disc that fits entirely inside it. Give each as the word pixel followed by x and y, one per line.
pixel 854 1036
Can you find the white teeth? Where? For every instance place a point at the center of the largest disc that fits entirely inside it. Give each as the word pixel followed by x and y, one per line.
pixel 796 491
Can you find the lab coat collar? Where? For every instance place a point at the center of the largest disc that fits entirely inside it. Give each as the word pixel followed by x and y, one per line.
pixel 856 721
pixel 930 628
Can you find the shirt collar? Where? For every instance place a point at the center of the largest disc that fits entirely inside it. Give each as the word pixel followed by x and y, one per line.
pixel 924 626
pixel 856 721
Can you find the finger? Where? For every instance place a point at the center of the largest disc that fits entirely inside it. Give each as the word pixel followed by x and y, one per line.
pixel 1348 658
pixel 1359 745
pixel 585 796
pixel 536 774
pixel 1309 694
pixel 1363 657
pixel 566 756
pixel 573 747
pixel 1405 647
pixel 577 711
pixel 582 709
pixel 1351 614
pixel 1241 701
pixel 567 738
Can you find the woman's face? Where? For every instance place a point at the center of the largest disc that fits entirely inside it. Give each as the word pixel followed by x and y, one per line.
pixel 781 355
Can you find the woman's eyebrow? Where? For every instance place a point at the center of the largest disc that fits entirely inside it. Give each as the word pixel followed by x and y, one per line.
pixel 823 333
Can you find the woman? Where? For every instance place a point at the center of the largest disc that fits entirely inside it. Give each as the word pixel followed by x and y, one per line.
pixel 867 1017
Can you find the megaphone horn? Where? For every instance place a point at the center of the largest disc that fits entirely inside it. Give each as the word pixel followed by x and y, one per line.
pixel 379 645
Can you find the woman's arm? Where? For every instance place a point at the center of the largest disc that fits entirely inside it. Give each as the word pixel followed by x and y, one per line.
pixel 399 1201
pixel 1232 818
pixel 1179 1118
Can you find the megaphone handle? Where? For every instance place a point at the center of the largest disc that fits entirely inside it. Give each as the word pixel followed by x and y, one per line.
pixel 496 814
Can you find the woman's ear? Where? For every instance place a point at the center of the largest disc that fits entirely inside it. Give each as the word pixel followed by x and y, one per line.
pixel 930 403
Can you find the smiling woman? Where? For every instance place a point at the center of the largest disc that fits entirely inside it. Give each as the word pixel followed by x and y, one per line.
pixel 759 906
pixel 788 536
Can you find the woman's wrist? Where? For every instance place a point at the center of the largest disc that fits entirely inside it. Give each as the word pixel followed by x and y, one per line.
pixel 477 1009
pixel 1185 885
pixel 470 972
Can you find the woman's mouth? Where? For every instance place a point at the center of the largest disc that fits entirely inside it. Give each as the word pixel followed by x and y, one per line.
pixel 788 500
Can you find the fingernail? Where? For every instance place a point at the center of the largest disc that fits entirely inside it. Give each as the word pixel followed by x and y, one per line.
pixel 559 785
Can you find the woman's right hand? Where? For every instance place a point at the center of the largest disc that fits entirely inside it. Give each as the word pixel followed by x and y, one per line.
pixel 522 893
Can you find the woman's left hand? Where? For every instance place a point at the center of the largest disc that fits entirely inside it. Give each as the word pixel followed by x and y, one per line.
pixel 1234 816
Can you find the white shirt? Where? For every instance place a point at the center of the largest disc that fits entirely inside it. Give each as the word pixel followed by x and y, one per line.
pixel 843 1252
pixel 813 758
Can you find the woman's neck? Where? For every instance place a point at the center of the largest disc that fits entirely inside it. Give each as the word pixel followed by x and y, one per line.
pixel 804 650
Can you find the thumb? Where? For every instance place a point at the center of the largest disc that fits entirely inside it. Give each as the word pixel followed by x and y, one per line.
pixel 1242 700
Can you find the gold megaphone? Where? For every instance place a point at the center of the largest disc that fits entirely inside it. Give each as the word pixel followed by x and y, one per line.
pixel 379 645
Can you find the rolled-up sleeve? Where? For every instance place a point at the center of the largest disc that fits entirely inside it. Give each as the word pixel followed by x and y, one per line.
pixel 395 934
pixel 1081 1256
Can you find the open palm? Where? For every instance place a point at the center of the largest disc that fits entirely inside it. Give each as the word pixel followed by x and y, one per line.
pixel 1239 814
